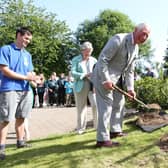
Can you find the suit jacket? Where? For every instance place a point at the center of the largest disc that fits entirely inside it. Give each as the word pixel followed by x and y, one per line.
pixel 78 71
pixel 116 60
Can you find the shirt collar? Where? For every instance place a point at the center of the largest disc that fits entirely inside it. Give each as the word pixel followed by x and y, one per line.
pixel 16 48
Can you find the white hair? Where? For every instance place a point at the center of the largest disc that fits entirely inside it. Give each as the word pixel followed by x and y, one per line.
pixel 86 45
pixel 142 26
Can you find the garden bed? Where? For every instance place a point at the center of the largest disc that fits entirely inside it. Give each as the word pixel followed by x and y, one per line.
pixel 163 143
pixel 150 121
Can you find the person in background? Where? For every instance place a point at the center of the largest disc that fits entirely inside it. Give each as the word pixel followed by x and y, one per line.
pixel 61 90
pixel 34 89
pixel 82 66
pixel 55 76
pixel 149 73
pixel 15 94
pixel 69 91
pixel 115 66
pixel 52 89
pixel 41 89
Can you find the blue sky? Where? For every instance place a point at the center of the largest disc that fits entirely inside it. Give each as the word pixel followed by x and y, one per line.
pixel 154 13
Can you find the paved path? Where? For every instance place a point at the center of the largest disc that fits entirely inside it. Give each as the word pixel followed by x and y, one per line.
pixel 49 121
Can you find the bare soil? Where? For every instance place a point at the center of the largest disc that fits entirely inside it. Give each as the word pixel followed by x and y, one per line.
pixel 154 107
pixel 163 143
pixel 152 118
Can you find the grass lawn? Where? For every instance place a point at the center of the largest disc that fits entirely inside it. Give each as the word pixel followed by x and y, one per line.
pixel 137 150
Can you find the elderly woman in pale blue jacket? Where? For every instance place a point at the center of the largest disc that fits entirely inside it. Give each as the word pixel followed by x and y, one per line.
pixel 82 66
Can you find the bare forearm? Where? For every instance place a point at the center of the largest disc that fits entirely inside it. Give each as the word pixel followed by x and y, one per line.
pixel 11 74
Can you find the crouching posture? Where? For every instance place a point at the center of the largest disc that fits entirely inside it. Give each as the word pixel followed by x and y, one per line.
pixel 115 66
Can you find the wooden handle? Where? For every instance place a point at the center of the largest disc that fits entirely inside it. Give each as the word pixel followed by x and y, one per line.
pixel 128 95
pixel 122 91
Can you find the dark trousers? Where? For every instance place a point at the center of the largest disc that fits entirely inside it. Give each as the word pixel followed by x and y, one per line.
pixel 61 96
pixel 41 98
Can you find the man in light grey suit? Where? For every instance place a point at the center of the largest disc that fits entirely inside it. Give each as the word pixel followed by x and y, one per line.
pixel 115 66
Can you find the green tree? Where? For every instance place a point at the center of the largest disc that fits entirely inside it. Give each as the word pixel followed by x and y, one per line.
pixel 103 27
pixel 50 35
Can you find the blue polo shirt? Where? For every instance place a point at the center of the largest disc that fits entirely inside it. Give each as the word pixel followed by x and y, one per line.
pixel 19 61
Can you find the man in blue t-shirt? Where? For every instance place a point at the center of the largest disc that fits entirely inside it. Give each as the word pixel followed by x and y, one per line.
pixel 15 95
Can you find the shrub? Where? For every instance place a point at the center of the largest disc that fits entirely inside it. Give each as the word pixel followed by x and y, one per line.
pixel 151 90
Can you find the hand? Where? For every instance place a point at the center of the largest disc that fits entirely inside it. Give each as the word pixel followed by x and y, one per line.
pixel 88 75
pixel 108 85
pixel 37 79
pixel 132 93
pixel 30 77
pixel 50 90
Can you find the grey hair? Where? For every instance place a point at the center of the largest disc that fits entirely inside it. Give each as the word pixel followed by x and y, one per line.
pixel 86 45
pixel 142 26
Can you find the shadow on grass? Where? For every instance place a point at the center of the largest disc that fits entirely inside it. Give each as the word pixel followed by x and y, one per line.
pixel 54 137
pixel 55 154
pixel 133 155
pixel 54 148
pixel 64 151
pixel 131 126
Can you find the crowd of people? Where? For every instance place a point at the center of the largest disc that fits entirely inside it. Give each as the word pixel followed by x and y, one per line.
pixel 55 91
pixel 91 79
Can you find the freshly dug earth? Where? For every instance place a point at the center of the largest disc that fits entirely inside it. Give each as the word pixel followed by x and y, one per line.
pixel 154 107
pixel 152 118
pixel 155 118
pixel 163 143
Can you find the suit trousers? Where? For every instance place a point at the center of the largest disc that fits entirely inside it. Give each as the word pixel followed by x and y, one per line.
pixel 81 104
pixel 110 105
pixel 117 112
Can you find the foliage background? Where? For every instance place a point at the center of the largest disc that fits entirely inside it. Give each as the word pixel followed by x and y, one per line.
pixel 151 90
pixel 54 44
